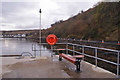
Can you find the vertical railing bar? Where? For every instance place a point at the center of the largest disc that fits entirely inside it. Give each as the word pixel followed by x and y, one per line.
pixel 66 48
pixel 32 47
pixel 83 51
pixel 51 51
pixel 96 57
pixel 118 64
pixel 35 50
pixel 73 50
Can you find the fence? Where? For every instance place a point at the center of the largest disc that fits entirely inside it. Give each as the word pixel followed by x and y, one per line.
pixel 83 53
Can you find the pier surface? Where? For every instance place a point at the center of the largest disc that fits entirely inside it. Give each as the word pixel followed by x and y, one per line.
pixel 46 67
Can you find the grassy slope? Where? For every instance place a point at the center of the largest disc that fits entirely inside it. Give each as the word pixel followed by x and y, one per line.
pixel 100 22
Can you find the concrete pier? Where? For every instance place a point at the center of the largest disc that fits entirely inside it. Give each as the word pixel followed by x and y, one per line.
pixel 47 67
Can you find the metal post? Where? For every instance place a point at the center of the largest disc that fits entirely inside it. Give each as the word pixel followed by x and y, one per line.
pixel 35 50
pixel 118 64
pixel 96 57
pixel 51 51
pixel 83 51
pixel 66 48
pixel 73 50
pixel 40 31
pixel 32 47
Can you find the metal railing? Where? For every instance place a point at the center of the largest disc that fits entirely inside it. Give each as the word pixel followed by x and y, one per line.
pixel 81 40
pixel 83 53
pixel 96 57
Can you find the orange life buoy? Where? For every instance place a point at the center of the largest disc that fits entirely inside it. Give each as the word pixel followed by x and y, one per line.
pixel 51 39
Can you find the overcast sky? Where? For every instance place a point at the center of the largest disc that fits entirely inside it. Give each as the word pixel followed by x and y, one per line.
pixel 17 15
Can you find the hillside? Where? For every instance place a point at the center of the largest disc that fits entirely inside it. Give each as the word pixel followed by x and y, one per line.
pixel 97 23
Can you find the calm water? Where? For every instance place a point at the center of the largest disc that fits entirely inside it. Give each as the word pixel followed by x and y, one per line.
pixel 17 46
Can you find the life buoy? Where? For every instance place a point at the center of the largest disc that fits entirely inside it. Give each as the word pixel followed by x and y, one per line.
pixel 51 39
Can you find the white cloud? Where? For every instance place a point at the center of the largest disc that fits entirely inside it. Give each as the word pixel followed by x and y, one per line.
pixel 6 26
pixel 50 0
pixel 25 15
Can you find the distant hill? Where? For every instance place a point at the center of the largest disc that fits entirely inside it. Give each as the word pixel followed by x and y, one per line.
pixel 100 22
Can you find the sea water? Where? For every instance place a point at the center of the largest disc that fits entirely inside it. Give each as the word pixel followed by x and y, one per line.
pixel 12 46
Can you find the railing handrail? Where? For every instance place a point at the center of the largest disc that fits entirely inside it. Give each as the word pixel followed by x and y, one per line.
pixel 88 46
pixel 95 56
pixel 91 41
pixel 96 47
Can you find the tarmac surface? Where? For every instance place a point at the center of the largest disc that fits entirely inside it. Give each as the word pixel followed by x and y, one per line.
pixel 46 67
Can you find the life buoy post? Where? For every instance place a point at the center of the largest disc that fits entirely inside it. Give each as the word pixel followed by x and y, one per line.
pixel 51 40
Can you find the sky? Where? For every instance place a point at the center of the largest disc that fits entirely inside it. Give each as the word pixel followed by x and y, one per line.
pixel 24 15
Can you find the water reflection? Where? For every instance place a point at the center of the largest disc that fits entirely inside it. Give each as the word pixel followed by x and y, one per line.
pixel 17 46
